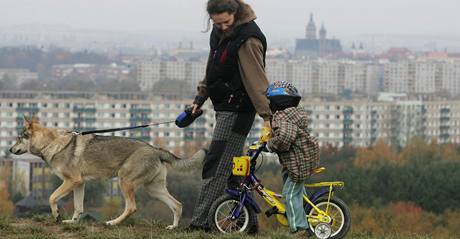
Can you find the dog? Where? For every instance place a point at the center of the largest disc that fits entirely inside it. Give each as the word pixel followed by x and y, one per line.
pixel 77 159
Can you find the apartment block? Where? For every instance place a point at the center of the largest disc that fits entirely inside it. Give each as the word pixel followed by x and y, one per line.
pixel 155 70
pixel 362 122
pixel 330 77
pixel 357 122
pixel 450 77
pixel 423 76
pixel 29 175
pixel 91 71
pixel 80 111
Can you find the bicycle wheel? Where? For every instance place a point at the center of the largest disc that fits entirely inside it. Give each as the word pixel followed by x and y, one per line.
pixel 339 213
pixel 221 212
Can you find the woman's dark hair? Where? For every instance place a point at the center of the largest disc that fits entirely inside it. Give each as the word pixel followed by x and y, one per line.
pixel 221 6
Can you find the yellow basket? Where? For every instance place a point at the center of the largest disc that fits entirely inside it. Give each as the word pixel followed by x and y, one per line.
pixel 241 166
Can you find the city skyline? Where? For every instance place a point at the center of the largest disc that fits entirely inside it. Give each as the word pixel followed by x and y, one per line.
pixel 411 23
pixel 343 18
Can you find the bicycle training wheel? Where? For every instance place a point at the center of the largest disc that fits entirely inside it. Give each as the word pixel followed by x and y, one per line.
pixel 338 212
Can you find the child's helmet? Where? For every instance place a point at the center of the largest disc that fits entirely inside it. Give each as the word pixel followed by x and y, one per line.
pixel 282 95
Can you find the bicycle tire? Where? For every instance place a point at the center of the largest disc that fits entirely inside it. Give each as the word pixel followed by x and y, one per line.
pixel 344 211
pixel 250 227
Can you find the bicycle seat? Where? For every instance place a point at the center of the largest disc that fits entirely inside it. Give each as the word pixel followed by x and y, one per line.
pixel 318 170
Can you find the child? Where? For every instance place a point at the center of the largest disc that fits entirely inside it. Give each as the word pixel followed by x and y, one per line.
pixel 298 151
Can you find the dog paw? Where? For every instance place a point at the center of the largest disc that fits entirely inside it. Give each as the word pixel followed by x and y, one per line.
pixel 170 227
pixel 111 223
pixel 69 221
pixel 58 218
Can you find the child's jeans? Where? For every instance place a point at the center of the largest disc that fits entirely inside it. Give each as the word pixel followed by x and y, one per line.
pixel 295 212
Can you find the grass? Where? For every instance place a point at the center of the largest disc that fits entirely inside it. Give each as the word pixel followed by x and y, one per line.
pixel 44 228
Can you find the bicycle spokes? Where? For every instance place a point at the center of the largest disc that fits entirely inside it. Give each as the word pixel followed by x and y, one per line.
pixel 224 217
pixel 334 218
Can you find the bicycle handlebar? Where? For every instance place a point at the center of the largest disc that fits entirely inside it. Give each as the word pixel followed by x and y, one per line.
pixel 258 149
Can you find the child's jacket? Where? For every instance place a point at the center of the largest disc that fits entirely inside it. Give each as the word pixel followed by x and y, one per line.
pixel 298 151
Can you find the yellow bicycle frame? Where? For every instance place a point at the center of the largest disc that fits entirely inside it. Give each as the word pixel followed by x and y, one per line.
pixel 272 199
pixel 323 216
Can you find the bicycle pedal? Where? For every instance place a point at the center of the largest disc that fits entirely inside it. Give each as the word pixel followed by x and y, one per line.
pixel 271 211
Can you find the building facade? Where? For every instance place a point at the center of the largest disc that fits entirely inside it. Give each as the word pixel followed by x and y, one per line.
pixel 349 122
pixel 327 77
pixel 423 76
pixel 152 71
pixel 313 46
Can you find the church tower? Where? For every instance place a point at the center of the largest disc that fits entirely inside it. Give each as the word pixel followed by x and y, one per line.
pixel 322 32
pixel 311 28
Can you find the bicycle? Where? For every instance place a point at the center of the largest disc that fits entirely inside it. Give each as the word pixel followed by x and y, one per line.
pixel 328 216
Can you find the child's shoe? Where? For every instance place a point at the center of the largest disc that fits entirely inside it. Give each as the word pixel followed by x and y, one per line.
pixel 302 233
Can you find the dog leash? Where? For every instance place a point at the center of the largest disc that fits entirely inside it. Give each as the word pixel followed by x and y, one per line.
pixel 120 129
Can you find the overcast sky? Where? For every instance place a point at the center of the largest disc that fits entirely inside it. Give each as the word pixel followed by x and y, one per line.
pixel 285 17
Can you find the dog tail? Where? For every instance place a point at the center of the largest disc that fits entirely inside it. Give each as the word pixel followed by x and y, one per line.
pixel 188 164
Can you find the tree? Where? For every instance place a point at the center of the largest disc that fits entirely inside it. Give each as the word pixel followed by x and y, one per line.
pixel 76 84
pixel 128 85
pixel 422 223
pixel 32 85
pixel 377 156
pixel 418 150
pixel 449 152
pixel 8 82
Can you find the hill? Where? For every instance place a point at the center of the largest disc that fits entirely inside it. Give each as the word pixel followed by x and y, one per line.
pixel 40 227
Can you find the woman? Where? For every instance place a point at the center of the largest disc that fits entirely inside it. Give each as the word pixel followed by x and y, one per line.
pixel 235 82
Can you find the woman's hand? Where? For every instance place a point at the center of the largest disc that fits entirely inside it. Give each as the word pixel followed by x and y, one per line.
pixel 195 108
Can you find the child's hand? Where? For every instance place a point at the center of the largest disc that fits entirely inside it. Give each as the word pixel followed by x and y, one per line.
pixel 267 124
pixel 266 134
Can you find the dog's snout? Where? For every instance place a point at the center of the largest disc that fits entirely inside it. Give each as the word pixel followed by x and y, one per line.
pixel 11 150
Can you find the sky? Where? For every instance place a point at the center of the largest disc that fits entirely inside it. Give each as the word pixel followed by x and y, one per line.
pixel 276 17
